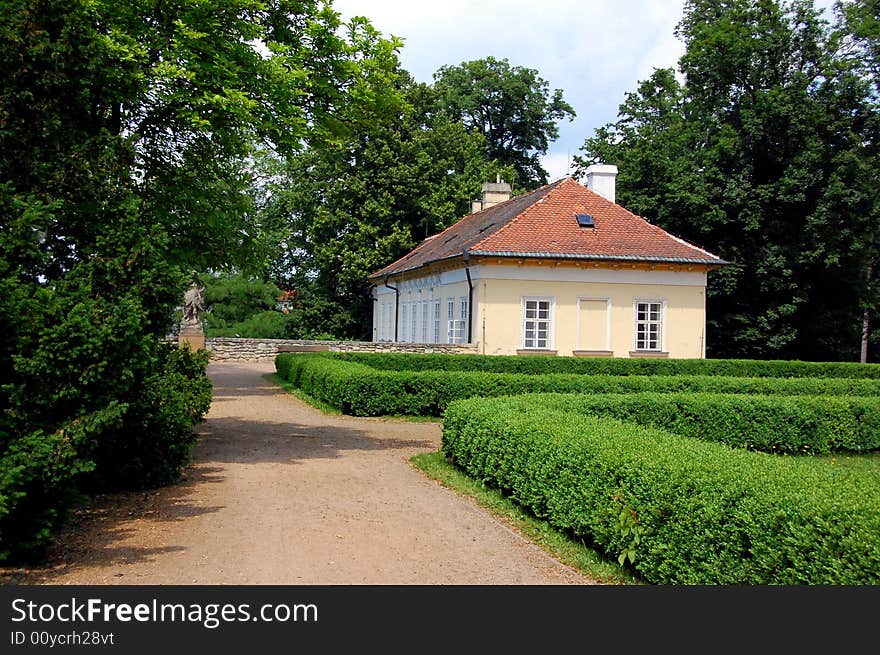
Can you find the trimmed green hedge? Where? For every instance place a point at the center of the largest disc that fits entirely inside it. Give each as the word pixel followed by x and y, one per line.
pixel 357 389
pixel 683 511
pixel 533 364
pixel 775 424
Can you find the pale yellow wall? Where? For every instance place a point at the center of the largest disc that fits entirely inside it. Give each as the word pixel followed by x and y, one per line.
pixel 499 315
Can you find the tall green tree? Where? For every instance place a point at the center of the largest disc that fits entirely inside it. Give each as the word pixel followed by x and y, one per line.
pixel 126 132
pixel 759 157
pixel 511 106
pixel 237 304
pixel 858 33
pixel 340 214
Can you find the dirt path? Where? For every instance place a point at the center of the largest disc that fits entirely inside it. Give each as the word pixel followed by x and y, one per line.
pixel 279 493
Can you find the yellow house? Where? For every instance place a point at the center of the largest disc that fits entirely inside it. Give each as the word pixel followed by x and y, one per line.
pixel 560 270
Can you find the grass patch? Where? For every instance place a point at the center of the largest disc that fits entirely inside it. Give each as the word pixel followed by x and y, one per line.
pixel 573 553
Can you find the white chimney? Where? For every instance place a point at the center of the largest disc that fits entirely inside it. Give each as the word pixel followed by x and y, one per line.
pixel 601 179
pixel 495 192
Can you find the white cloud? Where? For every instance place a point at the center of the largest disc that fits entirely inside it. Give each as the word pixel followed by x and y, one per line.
pixel 558 165
pixel 594 50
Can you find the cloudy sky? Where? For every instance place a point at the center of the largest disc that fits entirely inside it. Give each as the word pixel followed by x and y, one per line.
pixel 594 50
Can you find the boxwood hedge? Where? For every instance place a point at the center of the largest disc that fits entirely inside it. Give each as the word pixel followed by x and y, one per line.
pixel 776 424
pixel 612 366
pixel 358 389
pixel 681 510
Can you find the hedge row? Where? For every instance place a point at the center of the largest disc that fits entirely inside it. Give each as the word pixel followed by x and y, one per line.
pixel 775 424
pixel 358 389
pixel 681 510
pixel 613 366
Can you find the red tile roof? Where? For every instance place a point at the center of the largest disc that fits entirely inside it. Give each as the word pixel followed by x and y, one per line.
pixel 543 224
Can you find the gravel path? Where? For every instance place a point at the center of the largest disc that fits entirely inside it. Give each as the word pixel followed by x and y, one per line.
pixel 279 493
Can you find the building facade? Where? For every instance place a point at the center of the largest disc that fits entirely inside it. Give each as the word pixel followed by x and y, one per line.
pixel 560 270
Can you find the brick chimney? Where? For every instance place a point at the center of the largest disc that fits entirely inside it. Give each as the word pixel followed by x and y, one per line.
pixel 601 178
pixel 493 193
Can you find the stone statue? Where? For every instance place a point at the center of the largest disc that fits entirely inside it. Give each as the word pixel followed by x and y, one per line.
pixel 192 334
pixel 193 303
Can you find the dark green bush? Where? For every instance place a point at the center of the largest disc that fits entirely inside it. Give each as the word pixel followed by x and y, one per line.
pixel 681 510
pixel 154 443
pixel 143 442
pixel 358 389
pixel 613 366
pixel 775 424
pixel 38 476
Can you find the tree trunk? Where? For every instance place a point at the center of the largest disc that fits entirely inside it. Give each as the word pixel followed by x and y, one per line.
pixel 866 317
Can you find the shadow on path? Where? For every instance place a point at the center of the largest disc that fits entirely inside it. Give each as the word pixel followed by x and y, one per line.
pixel 246 440
pixel 134 527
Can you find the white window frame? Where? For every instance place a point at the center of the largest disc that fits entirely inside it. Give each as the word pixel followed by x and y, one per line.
pixel 463 307
pixel 404 322
pixel 550 320
pixel 424 334
pixel 455 326
pixel 414 322
pixel 661 323
pixel 435 304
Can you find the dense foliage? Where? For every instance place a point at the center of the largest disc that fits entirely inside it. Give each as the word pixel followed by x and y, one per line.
pixel 765 154
pixel 238 305
pixel 679 510
pixel 339 214
pixel 126 137
pixel 794 425
pixel 748 368
pixel 511 106
pixel 361 390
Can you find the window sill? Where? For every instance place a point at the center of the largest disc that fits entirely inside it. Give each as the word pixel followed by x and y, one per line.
pixel 649 353
pixel 592 353
pixel 535 351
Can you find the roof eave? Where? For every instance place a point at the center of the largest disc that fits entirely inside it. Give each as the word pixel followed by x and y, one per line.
pixel 381 274
pixel 598 257
pixel 555 255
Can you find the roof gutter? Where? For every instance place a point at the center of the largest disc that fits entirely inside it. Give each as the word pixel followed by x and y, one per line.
pixel 470 308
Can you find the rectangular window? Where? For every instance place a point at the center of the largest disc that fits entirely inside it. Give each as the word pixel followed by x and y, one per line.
pixel 536 323
pixel 455 327
pixel 436 322
pixel 450 320
pixel 424 321
pixel 389 322
pixel 413 334
pixel 649 325
pixel 404 313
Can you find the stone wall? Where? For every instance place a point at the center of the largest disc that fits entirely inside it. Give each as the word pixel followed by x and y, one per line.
pixel 231 349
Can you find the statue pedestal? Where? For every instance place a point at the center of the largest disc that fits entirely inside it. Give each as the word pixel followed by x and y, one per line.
pixel 192 334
